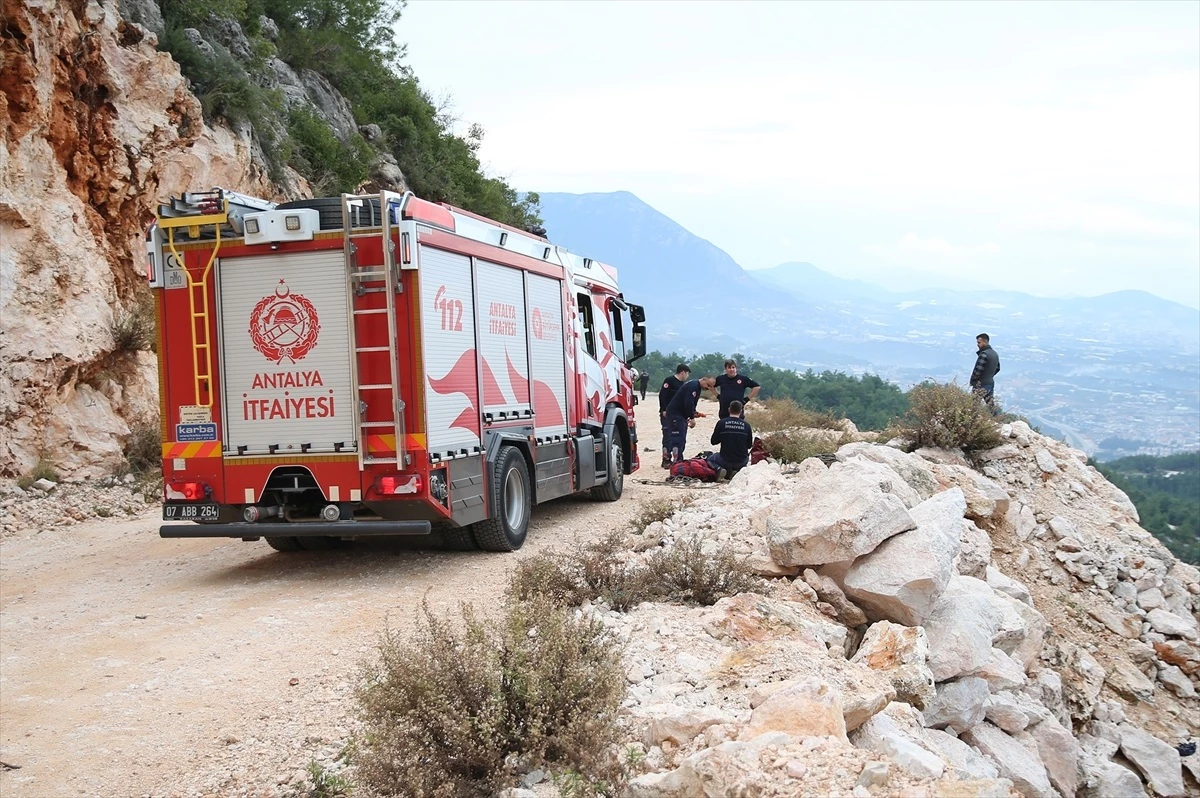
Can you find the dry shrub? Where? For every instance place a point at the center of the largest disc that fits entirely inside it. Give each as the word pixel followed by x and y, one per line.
pixel 784 414
pixel 143 448
pixel 463 709
pixel 134 330
pixel 595 571
pixel 796 447
pixel 685 574
pixel 680 573
pixel 656 510
pixel 43 469
pixel 947 417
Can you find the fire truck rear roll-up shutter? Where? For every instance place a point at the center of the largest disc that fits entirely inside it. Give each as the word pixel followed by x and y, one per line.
pixel 448 335
pixel 285 354
pixel 548 380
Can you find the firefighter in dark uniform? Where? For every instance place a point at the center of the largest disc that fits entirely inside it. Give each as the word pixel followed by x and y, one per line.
pixel 665 394
pixel 735 437
pixel 733 386
pixel 681 414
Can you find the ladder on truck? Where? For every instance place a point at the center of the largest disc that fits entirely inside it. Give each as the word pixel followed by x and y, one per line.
pixel 363 209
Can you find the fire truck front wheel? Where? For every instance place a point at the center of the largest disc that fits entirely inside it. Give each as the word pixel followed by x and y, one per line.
pixel 512 502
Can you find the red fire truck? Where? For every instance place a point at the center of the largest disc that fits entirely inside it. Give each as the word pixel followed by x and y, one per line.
pixel 381 365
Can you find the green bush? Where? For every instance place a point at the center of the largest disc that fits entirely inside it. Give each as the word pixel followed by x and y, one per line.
pixel 463 709
pixel 656 510
pixel 330 166
pixel 947 417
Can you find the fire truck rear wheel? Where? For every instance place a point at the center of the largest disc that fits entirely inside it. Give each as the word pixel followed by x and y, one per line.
pixel 284 544
pixel 512 503
pixel 323 543
pixel 611 490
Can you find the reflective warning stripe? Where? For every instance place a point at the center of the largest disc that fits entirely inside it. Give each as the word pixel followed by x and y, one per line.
pixel 196 449
pixel 379 444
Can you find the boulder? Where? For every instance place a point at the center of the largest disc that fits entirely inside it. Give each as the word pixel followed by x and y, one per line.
pixel 1128 681
pixel 987 502
pixel 1176 681
pixel 809 708
pixel 900 653
pixel 859 705
pixel 1126 625
pixel 974 551
pixel 730 768
pixel 831 519
pixel 961 627
pixel 883 735
pixel 913 470
pixel 1000 582
pixel 1015 761
pixel 1168 623
pixel 965 762
pixel 1083 679
pixel 958 705
pixel 828 591
pixel 1060 754
pixel 1045 462
pixel 904 577
pixel 1158 761
pixel 1004 711
pixel 1181 653
pixel 680 724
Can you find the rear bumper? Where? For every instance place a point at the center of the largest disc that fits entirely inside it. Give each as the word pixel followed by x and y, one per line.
pixel 348 529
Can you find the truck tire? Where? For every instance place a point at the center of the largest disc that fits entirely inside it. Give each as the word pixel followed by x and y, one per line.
pixel 329 210
pixel 512 503
pixel 284 543
pixel 458 538
pixel 611 490
pixel 322 543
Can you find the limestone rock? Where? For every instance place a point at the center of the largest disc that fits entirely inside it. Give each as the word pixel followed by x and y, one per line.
pixel 680 724
pixel 1046 462
pixel 961 627
pixel 1157 761
pixel 900 653
pixel 1168 623
pixel 1083 679
pixel 1176 681
pixel 1126 625
pixel 913 470
pixel 883 735
pixel 964 761
pixel 859 705
pixel 974 551
pixel 1129 681
pixel 986 501
pixel 959 705
pixel 828 591
pixel 1002 583
pixel 1181 653
pixel 1004 711
pixel 811 707
pixel 1014 760
pixel 1060 754
pixel 830 520
pixel 904 577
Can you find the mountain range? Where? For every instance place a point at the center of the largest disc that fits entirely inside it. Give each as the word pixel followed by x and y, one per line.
pixel 1120 367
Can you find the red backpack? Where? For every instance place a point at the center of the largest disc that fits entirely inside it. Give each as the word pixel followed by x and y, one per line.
pixel 696 468
pixel 758 452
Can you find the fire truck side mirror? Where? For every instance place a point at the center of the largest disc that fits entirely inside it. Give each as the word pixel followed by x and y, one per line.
pixel 639 342
pixel 637 314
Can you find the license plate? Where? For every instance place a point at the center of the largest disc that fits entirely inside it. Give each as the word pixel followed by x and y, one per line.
pixel 191 512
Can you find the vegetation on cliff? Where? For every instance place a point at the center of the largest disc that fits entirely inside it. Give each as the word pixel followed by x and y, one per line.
pixel 352 44
pixel 1166 492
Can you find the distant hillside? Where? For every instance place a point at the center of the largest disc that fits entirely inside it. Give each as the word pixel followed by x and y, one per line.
pixel 1166 492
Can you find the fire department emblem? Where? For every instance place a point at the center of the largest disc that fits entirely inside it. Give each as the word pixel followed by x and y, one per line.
pixel 284 325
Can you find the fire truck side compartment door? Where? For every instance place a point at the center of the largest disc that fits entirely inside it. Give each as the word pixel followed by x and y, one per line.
pixel 284 357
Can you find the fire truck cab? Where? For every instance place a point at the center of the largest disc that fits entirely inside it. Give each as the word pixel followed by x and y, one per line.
pixel 381 365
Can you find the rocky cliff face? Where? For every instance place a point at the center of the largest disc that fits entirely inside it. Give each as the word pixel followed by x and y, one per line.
pixel 98 126
pixel 927 628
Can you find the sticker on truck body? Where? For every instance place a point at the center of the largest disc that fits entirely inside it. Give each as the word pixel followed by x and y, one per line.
pixel 190 433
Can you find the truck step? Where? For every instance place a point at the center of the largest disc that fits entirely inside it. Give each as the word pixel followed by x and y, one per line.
pixel 380 386
pixel 379 460
pixel 370 312
pixel 366 424
pixel 361 349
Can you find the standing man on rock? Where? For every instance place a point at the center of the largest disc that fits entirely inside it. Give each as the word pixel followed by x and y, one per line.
pixel 987 366
pixel 669 387
pixel 731 387
pixel 681 414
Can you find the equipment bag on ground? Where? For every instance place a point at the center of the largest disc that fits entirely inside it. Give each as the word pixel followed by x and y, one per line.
pixel 696 468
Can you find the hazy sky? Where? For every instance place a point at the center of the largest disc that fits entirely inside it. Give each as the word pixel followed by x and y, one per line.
pixel 1052 148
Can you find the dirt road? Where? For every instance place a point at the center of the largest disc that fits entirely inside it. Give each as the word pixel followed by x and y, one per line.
pixel 133 665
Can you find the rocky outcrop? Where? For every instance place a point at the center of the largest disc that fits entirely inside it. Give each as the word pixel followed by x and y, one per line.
pixel 1013 678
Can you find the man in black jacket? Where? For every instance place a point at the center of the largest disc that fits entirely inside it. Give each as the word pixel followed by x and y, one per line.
pixel 681 414
pixel 987 366
pixel 735 437
pixel 665 394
